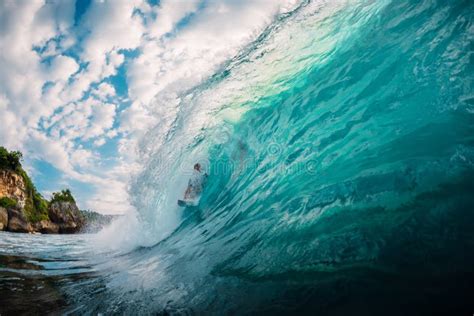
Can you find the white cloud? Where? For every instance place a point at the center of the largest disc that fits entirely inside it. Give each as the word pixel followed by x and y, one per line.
pixel 169 14
pixel 42 111
pixel 61 68
pixel 57 103
pixel 134 114
pixel 101 120
pixel 82 158
pixel 99 142
pixel 114 26
pixel 53 151
pixel 104 91
pixel 110 198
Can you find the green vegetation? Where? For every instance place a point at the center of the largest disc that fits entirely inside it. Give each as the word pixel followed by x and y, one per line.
pixel 36 207
pixel 10 160
pixel 6 202
pixel 63 196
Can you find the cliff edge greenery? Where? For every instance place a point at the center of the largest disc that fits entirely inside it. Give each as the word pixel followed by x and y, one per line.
pixel 6 202
pixel 63 196
pixel 36 207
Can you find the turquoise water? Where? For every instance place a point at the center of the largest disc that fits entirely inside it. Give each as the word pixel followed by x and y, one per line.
pixel 340 152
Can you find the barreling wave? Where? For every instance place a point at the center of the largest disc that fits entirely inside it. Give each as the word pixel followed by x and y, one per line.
pixel 340 151
pixel 209 113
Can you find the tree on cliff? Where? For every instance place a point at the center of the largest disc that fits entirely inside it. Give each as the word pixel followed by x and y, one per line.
pixel 63 196
pixel 10 160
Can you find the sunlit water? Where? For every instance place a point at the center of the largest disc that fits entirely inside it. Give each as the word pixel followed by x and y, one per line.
pixel 340 152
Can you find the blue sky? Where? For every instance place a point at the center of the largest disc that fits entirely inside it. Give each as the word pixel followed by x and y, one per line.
pixel 83 81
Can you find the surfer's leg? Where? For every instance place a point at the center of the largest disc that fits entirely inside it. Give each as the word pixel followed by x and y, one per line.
pixel 188 192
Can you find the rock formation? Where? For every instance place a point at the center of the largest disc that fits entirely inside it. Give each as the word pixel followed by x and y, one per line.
pixel 66 215
pixel 13 186
pixel 64 218
pixel 19 211
pixel 24 210
pixel 17 221
pixel 46 227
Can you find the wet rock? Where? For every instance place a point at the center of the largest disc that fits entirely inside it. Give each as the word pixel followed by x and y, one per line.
pixel 46 227
pixel 17 221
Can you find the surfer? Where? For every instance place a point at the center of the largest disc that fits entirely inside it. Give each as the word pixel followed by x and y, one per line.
pixel 195 184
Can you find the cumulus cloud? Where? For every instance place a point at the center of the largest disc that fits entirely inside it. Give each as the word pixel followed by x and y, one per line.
pixel 102 119
pixel 42 86
pixel 58 103
pixel 113 25
pixel 104 91
pixel 61 68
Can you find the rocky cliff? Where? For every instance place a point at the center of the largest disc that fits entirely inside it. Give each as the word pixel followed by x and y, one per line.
pixel 64 218
pixel 23 209
pixel 67 216
pixel 13 186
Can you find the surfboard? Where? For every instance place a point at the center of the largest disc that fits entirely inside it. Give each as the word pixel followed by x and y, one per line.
pixel 186 203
